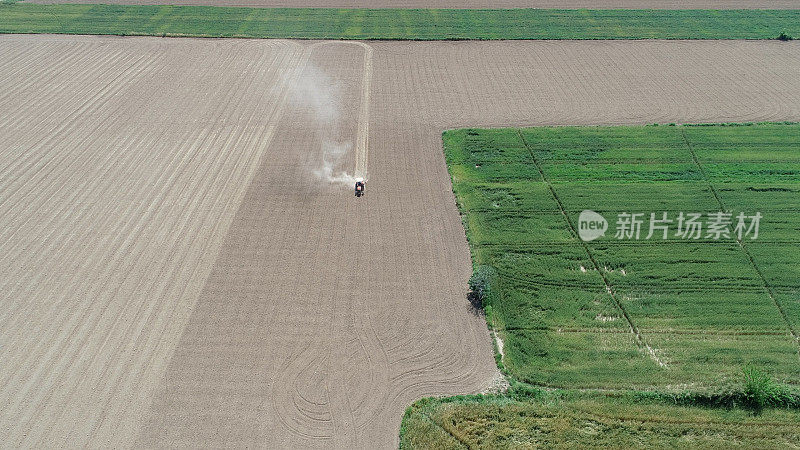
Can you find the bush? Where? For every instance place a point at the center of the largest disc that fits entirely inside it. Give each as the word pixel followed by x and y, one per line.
pixel 759 390
pixel 784 37
pixel 480 286
pixel 524 392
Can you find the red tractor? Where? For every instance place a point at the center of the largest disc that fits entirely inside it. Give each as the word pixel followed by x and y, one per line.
pixel 360 185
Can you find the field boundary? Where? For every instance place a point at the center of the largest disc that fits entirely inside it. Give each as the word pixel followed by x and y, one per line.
pixel 396 24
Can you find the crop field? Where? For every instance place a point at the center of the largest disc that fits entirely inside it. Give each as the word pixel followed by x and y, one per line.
pixel 575 420
pixel 466 4
pixel 642 313
pixel 415 24
pixel 176 272
pixel 652 339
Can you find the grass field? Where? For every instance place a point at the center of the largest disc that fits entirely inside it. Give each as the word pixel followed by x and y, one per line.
pixel 420 24
pixel 700 308
pixel 570 420
pixel 677 318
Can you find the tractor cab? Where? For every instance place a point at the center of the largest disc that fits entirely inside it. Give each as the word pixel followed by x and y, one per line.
pixel 360 188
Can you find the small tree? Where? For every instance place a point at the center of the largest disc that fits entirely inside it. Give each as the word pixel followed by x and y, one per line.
pixel 480 286
pixel 784 37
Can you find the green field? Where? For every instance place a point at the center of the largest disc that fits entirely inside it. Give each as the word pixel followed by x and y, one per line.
pixel 572 420
pixel 675 320
pixel 420 24
pixel 701 308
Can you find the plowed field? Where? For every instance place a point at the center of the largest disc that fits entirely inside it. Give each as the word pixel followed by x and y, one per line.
pixel 173 271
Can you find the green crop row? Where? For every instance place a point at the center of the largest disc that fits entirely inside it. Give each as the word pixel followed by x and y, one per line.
pixel 406 24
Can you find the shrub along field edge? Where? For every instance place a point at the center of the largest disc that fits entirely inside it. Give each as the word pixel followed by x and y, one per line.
pixel 396 24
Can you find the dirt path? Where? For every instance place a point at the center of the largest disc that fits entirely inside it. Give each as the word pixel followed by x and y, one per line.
pixel 173 273
pixel 463 4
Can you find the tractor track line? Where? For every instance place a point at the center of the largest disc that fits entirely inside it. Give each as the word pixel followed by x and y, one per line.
pixel 767 286
pixel 640 341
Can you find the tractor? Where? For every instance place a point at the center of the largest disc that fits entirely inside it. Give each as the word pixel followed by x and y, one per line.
pixel 360 185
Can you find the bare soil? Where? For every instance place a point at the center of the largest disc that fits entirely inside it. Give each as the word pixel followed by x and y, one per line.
pixel 174 274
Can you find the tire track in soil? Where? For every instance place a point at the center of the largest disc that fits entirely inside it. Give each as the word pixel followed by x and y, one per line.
pixel 146 252
pixel 307 395
pixel 322 316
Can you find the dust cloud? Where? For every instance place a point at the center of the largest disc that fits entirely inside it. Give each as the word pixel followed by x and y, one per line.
pixel 317 92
